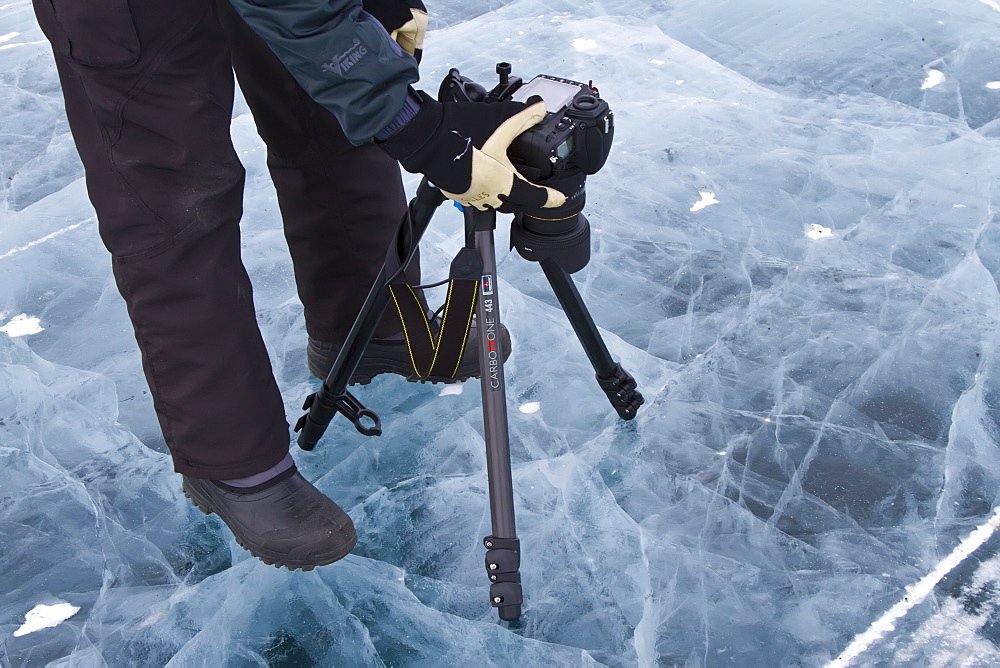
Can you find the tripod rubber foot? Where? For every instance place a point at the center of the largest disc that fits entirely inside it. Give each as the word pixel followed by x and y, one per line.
pixel 506 595
pixel 621 389
pixel 509 613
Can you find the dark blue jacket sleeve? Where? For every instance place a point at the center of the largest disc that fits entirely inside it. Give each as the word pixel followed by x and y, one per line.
pixel 340 55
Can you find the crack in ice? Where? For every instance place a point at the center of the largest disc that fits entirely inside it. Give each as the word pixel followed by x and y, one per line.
pixel 916 593
pixel 47 237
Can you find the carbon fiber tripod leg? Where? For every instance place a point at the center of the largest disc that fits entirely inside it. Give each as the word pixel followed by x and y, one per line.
pixel 332 396
pixel 503 556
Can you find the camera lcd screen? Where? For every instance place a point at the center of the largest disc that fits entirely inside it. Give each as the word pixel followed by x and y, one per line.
pixel 555 93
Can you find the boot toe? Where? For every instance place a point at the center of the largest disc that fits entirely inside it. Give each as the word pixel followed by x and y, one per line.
pixel 290 524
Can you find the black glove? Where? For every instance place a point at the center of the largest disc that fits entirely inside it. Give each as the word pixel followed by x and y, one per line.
pixel 404 20
pixel 461 147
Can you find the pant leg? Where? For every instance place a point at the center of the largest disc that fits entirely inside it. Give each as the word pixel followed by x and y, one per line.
pixel 341 204
pixel 152 128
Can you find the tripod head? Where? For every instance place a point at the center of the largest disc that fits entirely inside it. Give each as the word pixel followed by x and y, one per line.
pixel 572 142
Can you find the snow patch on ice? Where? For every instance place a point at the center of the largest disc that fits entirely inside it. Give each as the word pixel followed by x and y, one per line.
pixel 22 325
pixel 454 388
pixel 934 77
pixel 46 616
pixel 707 199
pixel 819 232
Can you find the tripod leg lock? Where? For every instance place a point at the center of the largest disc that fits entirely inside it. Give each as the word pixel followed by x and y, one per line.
pixel 621 389
pixel 503 559
pixel 325 405
pixel 503 555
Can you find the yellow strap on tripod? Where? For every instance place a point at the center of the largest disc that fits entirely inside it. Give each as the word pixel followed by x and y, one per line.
pixel 436 355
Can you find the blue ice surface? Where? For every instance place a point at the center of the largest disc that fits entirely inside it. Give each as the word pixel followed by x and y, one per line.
pixel 817 341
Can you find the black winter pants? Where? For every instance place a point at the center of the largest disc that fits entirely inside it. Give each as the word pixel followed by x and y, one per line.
pixel 149 90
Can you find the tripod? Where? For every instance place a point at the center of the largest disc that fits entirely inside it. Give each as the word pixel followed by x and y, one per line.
pixel 503 553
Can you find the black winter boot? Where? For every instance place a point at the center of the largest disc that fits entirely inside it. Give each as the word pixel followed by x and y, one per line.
pixel 283 522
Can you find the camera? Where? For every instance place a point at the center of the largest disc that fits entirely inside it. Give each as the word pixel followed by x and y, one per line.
pixel 576 133
pixel 577 130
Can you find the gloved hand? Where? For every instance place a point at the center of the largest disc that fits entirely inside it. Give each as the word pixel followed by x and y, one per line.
pixel 461 147
pixel 404 20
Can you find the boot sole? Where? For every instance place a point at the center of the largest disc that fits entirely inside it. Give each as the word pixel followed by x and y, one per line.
pixel 384 366
pixel 206 508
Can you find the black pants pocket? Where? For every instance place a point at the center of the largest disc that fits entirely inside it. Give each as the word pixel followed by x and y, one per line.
pixel 97 33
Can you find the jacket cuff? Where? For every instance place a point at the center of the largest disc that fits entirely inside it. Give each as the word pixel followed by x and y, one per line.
pixel 407 142
pixel 411 105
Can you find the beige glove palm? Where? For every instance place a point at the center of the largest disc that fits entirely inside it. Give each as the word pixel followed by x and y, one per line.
pixel 462 149
pixel 410 36
pixel 404 20
pixel 493 174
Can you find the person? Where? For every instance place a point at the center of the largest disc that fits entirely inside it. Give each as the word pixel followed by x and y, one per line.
pixel 148 89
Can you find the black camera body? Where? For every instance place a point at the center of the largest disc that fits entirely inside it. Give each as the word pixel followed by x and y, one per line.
pixel 576 132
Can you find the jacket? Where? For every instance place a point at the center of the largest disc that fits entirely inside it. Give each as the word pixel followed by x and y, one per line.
pixel 340 55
